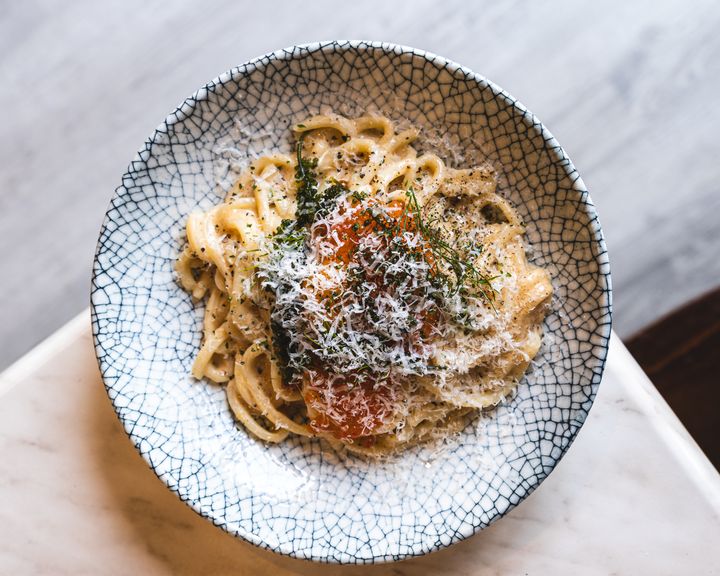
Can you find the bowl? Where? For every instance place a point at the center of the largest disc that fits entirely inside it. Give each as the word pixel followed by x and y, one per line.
pixel 300 497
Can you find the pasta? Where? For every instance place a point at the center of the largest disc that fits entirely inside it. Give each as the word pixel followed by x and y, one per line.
pixel 361 291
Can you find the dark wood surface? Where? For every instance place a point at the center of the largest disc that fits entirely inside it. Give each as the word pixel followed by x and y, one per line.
pixel 681 355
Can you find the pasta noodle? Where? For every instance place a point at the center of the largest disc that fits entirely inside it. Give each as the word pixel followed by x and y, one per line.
pixel 361 291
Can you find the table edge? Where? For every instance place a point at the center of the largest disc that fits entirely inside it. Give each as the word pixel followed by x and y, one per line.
pixel 665 422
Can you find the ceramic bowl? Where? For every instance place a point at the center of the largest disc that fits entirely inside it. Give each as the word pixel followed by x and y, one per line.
pixel 300 497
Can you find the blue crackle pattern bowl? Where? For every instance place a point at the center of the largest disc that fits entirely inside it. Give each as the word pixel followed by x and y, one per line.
pixel 300 497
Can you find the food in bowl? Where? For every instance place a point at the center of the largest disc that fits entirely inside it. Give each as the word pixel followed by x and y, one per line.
pixel 362 292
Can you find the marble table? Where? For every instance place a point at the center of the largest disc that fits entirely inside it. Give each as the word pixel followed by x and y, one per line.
pixel 634 495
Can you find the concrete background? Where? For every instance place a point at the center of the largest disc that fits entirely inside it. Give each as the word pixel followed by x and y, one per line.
pixel 629 89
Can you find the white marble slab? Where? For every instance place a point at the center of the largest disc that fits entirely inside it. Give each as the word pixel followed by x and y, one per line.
pixel 633 496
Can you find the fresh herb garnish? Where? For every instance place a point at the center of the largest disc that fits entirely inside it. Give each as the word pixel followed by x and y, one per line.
pixel 358 196
pixel 462 269
pixel 311 202
pixel 328 198
pixel 283 348
pixel 290 235
pixel 307 187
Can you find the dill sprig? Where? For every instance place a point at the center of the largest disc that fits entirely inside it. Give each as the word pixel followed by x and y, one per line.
pixel 464 272
pixel 312 203
pixel 307 186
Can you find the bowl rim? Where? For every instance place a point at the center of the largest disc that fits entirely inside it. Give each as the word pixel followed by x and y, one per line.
pixel 603 332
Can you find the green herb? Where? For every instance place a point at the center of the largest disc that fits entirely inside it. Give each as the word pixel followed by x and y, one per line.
pixel 358 196
pixel 307 187
pixel 283 347
pixel 311 202
pixel 463 271
pixel 288 234
pixel 328 198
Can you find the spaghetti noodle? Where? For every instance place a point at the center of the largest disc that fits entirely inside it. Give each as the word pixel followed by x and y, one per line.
pixel 362 292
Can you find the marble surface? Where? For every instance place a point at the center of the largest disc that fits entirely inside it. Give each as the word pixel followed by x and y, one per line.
pixel 85 82
pixel 634 495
